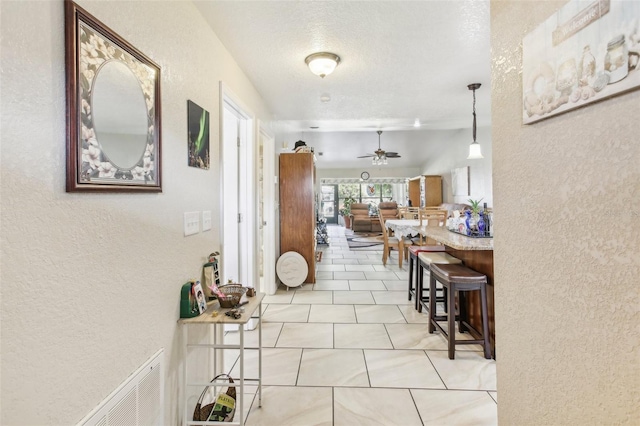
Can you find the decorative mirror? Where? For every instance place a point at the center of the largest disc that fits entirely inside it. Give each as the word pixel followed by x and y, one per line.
pixel 113 109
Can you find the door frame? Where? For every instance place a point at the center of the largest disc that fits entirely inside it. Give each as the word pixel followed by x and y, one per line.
pixel 269 207
pixel 246 172
pixel 334 218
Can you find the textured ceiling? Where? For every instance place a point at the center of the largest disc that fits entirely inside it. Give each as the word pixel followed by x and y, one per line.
pixel 401 60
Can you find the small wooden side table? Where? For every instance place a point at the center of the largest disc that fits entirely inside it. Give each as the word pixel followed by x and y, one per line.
pixel 252 310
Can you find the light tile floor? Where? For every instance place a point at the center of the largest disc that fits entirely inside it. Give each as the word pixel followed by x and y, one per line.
pixel 352 350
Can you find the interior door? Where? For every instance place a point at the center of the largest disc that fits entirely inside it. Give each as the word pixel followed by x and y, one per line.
pixel 230 203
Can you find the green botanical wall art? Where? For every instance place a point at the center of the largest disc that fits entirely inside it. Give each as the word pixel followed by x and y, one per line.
pixel 198 120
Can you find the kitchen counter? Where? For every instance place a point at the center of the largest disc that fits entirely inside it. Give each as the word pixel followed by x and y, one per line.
pixel 459 242
pixel 477 254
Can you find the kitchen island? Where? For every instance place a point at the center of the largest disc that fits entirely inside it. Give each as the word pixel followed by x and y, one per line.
pixel 477 254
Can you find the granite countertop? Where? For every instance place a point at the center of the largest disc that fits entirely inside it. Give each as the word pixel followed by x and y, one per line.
pixel 460 242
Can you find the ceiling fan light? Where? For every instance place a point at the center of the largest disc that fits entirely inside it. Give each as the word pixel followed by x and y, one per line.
pixel 475 153
pixel 322 63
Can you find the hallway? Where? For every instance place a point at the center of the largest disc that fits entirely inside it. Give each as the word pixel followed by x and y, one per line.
pixel 351 350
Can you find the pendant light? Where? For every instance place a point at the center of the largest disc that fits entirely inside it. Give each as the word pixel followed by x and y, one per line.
pixel 474 149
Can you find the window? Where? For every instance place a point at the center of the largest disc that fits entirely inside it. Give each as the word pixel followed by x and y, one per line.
pixel 368 193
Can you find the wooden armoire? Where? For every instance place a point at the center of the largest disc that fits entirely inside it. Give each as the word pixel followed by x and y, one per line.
pixel 297 208
pixel 425 191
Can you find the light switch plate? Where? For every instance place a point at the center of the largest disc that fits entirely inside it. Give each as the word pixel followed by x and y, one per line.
pixel 191 223
pixel 206 220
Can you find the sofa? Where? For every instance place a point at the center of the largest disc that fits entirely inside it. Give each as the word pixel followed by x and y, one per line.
pixel 360 219
pixel 362 222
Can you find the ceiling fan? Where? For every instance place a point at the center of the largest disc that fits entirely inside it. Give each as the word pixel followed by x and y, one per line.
pixel 380 156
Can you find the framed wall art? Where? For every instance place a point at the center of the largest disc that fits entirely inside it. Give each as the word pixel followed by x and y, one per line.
pixel 460 181
pixel 113 109
pixel 198 121
pixel 588 51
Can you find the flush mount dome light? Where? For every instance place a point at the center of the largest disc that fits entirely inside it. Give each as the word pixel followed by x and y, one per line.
pixel 322 63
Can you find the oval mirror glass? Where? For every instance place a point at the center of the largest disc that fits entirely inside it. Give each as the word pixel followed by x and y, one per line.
pixel 119 114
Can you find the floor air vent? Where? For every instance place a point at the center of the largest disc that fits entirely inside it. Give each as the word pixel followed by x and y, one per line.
pixel 137 401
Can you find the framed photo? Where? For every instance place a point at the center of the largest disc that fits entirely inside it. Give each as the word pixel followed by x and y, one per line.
pixel 198 122
pixel 198 294
pixel 588 51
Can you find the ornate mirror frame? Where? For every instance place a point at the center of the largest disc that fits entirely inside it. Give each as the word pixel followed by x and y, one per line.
pixel 89 46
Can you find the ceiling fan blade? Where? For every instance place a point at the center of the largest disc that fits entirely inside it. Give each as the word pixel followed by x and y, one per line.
pixel 392 155
pixel 367 156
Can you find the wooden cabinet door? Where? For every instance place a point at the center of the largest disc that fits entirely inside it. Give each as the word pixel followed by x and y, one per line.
pixel 432 191
pixel 297 208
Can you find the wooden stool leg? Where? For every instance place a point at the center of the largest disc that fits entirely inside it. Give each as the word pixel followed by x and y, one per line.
pixel 419 287
pixel 485 322
pixel 451 320
pixel 462 308
pixel 432 303
pixel 411 259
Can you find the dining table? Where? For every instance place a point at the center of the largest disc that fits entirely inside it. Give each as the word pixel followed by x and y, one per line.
pixel 403 227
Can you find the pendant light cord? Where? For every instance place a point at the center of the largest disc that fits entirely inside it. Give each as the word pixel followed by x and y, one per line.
pixel 474 115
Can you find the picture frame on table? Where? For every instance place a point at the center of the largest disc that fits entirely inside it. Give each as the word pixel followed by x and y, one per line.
pixel 198 294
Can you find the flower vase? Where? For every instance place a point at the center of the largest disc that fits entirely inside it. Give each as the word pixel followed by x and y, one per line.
pixel 481 225
pixel 471 222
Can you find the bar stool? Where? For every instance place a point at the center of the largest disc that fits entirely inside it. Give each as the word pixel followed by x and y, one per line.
pixel 458 278
pixel 425 260
pixel 413 262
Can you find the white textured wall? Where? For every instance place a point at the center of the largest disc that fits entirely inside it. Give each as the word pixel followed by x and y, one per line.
pixel 567 247
pixel 448 150
pixel 90 282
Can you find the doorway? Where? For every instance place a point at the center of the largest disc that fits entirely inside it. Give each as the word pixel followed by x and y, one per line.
pixel 238 218
pixel 329 206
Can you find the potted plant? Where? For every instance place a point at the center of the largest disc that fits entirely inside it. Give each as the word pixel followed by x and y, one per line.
pixel 345 211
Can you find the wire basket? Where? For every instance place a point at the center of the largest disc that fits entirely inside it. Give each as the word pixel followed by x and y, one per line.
pixel 233 293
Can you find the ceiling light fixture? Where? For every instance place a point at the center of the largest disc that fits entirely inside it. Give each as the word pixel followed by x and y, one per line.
pixel 322 63
pixel 474 149
pixel 380 158
pixel 416 123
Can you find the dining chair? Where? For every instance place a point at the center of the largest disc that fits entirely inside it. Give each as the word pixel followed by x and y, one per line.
pixel 430 217
pixel 393 242
pixel 410 213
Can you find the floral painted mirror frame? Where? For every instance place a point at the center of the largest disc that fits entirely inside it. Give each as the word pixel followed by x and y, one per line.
pixel 89 46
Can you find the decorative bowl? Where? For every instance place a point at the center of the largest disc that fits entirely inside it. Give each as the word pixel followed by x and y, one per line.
pixel 233 293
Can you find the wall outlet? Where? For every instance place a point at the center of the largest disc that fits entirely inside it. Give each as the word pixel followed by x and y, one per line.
pixel 191 223
pixel 206 220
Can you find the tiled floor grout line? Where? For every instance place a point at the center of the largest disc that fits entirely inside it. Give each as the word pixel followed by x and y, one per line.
pixel 333 405
pixel 416 405
pixel 389 335
pixel 275 345
pixel 435 369
pixel 366 367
